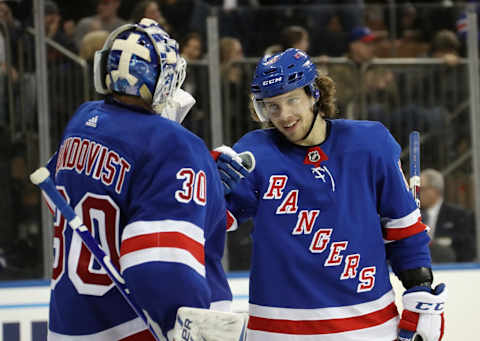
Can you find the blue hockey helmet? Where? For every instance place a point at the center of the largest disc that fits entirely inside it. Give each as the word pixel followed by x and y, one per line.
pixel 281 73
pixel 140 60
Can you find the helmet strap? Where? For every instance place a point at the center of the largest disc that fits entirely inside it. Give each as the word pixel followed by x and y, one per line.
pixel 315 115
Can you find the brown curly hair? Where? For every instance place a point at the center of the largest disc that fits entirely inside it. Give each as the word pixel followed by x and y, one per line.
pixel 326 101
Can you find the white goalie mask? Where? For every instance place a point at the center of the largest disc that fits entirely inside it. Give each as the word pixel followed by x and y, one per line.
pixel 142 60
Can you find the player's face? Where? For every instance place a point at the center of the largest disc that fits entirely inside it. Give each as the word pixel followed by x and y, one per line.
pixel 291 113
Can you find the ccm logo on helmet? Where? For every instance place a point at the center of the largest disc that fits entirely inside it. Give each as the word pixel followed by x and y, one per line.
pixel 272 81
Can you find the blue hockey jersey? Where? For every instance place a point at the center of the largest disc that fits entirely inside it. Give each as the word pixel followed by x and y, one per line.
pixel 150 194
pixel 327 221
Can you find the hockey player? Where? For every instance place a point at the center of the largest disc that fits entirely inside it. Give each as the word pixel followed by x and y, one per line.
pixel 148 191
pixel 331 210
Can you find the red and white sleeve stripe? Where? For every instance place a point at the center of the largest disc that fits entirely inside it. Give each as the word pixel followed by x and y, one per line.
pixel 409 225
pixel 163 241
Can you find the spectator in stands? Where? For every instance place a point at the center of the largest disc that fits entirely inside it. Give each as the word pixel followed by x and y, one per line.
pixel 234 87
pixel 191 50
pixel 291 36
pixel 452 228
pixel 439 91
pixel 451 86
pixel 6 16
pixel 180 15
pixel 330 25
pixel 231 51
pixel 10 31
pixel 92 42
pixel 357 83
pixel 54 31
pixel 409 39
pixel 105 19
pixel 52 18
pixel 446 45
pixel 350 12
pixel 375 18
pixel 149 9
pixel 360 47
pixel 381 94
pixel 296 37
pixel 191 46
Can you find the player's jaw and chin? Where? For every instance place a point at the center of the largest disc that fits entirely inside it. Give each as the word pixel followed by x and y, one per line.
pixel 297 132
pixel 296 125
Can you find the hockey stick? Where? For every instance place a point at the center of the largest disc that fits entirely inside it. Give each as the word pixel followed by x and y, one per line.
pixel 41 177
pixel 414 146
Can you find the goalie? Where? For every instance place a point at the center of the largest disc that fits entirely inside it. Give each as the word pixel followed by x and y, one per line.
pixel 147 190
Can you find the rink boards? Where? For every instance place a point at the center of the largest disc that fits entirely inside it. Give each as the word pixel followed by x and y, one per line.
pixel 24 305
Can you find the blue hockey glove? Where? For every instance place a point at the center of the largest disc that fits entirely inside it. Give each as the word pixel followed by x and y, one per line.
pixel 422 317
pixel 232 166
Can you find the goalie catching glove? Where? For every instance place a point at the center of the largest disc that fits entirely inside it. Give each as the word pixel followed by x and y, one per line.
pixel 232 166
pixel 423 314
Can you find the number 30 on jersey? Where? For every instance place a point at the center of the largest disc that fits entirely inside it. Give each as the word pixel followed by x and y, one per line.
pixel 194 186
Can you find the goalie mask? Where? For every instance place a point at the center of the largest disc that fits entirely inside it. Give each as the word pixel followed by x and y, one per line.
pixel 142 60
pixel 281 73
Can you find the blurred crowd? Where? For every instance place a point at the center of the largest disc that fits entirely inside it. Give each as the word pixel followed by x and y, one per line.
pixel 348 39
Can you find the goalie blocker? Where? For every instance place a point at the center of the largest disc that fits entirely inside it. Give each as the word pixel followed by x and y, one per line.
pixel 194 324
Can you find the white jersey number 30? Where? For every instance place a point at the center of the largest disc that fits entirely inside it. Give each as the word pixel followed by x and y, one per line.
pixel 194 186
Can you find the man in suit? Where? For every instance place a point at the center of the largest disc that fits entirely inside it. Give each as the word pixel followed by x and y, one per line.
pixel 452 228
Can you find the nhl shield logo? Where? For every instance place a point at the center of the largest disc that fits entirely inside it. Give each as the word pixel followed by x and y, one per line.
pixel 315 155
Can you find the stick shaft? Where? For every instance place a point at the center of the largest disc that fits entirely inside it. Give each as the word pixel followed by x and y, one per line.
pixel 414 146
